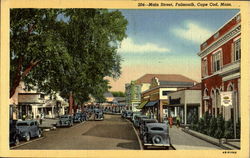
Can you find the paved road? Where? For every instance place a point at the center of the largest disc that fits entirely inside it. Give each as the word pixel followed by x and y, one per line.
pixel 184 141
pixel 112 133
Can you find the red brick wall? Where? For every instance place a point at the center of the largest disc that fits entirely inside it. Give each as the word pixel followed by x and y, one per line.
pixel 222 31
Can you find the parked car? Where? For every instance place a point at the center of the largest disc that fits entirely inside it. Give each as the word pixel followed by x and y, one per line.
pixel 28 129
pixel 128 114
pixel 98 114
pixel 85 116
pixel 138 120
pixel 65 120
pixel 123 114
pixel 156 135
pixel 14 134
pixel 143 124
pixel 78 117
pixel 137 113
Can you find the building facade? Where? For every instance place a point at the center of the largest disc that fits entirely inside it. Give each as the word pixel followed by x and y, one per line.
pixel 185 103
pixel 220 68
pixel 156 99
pixel 132 95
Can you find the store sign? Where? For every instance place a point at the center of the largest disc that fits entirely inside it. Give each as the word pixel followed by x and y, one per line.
pixel 175 101
pixel 226 98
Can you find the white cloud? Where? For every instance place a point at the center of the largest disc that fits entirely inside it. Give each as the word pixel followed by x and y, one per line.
pixel 129 46
pixel 193 31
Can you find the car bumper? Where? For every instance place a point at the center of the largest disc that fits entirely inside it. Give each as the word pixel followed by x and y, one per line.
pixel 158 145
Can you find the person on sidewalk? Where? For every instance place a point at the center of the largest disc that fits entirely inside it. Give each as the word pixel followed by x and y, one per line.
pixel 170 121
pixel 178 121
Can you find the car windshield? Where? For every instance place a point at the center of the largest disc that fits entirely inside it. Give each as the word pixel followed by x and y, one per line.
pixel 157 129
pixel 151 121
pixel 22 124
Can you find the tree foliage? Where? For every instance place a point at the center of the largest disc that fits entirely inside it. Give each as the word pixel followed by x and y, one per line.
pixel 118 94
pixel 71 55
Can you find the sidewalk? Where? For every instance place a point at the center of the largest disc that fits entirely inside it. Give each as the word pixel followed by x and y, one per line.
pixel 184 141
pixel 232 145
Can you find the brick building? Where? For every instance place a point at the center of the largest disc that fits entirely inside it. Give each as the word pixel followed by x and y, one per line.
pixel 220 67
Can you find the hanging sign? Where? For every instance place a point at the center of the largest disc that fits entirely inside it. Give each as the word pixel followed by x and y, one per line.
pixel 226 98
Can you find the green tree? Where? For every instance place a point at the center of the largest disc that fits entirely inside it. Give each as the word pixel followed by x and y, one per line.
pixel 34 45
pixel 70 56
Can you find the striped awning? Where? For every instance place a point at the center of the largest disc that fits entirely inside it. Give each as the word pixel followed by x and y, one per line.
pixel 142 105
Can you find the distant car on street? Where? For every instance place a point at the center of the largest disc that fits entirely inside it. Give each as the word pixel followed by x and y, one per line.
pixel 28 129
pixel 137 113
pixel 98 114
pixel 14 134
pixel 128 114
pixel 138 119
pixel 143 124
pixel 78 117
pixel 65 120
pixel 156 135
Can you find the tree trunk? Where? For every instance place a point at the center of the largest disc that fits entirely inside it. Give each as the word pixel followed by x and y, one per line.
pixel 70 103
pixel 19 76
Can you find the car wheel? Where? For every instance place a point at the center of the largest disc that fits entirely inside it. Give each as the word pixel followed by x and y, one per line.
pixel 39 134
pixel 16 141
pixel 27 138
pixel 144 139
pixel 157 139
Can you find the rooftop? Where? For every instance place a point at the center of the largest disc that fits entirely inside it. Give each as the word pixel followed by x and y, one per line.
pixel 164 77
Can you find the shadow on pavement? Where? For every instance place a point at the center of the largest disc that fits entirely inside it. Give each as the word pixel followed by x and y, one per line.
pixel 129 145
pixel 116 131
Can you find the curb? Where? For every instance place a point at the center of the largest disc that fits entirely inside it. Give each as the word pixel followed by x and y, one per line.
pixel 138 138
pixel 27 142
pixel 207 140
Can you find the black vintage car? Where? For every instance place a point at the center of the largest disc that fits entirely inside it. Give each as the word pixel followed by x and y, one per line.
pixel 128 114
pixel 65 120
pixel 98 114
pixel 14 134
pixel 156 135
pixel 78 117
pixel 143 124
pixel 28 129
pixel 138 118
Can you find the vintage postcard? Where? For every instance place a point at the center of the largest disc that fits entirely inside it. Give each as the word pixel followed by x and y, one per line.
pixel 124 78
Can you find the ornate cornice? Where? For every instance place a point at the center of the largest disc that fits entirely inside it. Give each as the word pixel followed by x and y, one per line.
pixel 222 40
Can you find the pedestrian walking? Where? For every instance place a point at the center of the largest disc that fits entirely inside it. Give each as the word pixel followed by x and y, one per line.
pixel 170 121
pixel 178 121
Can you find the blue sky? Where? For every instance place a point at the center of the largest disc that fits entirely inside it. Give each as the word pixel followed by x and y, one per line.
pixel 166 41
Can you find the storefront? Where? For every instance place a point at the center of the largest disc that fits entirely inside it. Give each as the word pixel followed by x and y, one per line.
pixel 185 103
pixel 157 97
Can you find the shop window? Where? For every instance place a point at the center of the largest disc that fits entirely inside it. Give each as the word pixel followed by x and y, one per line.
pixel 164 93
pixel 216 61
pixel 237 50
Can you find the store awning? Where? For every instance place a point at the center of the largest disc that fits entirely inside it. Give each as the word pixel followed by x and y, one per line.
pixel 151 103
pixel 142 105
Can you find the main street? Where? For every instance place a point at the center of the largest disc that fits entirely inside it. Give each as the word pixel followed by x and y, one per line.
pixel 112 133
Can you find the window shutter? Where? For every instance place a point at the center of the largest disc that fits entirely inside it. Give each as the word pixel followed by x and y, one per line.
pixel 232 52
pixel 221 60
pixel 212 63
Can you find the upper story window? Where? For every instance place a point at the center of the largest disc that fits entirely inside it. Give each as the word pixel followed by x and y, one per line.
pixel 204 67
pixel 237 50
pixel 216 58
